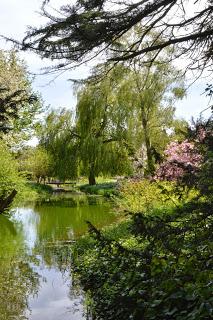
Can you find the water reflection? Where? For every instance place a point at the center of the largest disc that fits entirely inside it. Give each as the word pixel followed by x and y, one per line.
pixel 35 257
pixel 18 280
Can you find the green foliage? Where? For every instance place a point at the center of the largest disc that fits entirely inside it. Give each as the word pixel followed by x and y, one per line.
pixel 102 126
pixel 146 195
pixel 9 176
pixel 56 137
pixel 12 179
pixel 149 95
pixel 206 175
pixel 116 231
pixel 131 107
pixel 18 103
pixel 162 271
pixel 202 133
pixel 137 196
pixel 18 108
pixel 40 191
pixel 102 189
pixel 38 162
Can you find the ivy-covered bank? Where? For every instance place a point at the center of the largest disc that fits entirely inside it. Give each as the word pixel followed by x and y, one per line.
pixel 157 264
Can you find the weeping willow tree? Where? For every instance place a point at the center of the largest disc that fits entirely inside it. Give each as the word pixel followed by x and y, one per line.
pixel 18 278
pixel 102 127
pixel 131 106
pixel 149 95
pixel 56 136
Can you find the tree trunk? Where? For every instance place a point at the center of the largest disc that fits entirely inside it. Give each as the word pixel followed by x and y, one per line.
pixel 91 178
pixel 5 203
pixel 150 163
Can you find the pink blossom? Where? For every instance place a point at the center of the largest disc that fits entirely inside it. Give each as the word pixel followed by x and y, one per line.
pixel 180 159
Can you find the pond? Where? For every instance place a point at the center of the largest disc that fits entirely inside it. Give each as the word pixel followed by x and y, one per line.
pixel 35 257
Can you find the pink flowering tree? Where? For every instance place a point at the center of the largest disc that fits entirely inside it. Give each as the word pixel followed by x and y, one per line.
pixel 181 159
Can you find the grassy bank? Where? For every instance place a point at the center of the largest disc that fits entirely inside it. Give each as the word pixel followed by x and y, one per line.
pixel 40 191
pixel 106 189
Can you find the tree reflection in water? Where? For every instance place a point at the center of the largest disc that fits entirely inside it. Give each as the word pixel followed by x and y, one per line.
pixel 18 280
pixel 36 281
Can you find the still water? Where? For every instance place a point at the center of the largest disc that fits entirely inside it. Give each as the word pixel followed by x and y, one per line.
pixel 35 257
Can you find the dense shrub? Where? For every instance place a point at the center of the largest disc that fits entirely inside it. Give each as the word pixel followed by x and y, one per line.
pixel 164 272
pixel 146 195
pixel 9 176
pixel 11 179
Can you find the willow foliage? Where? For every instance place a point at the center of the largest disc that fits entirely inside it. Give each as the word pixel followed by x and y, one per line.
pixel 102 125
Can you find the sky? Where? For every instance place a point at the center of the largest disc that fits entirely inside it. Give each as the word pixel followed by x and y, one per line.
pixel 16 16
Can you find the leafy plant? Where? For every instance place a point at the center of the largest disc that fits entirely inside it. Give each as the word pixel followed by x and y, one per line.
pixel 162 271
pixel 146 195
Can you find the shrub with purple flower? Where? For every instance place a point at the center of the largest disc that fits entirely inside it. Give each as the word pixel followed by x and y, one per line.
pixel 181 159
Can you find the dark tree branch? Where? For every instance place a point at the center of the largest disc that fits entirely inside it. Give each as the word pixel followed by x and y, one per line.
pixel 81 32
pixel 161 46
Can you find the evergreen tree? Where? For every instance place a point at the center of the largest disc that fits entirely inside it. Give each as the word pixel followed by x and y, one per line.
pixel 82 31
pixel 18 108
pixel 18 102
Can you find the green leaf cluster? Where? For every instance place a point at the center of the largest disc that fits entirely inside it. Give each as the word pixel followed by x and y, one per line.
pixel 9 176
pixel 163 270
pixel 19 104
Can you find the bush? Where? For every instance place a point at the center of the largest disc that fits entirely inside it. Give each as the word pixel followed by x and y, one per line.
pixel 11 179
pixel 146 196
pixel 9 176
pixel 162 271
